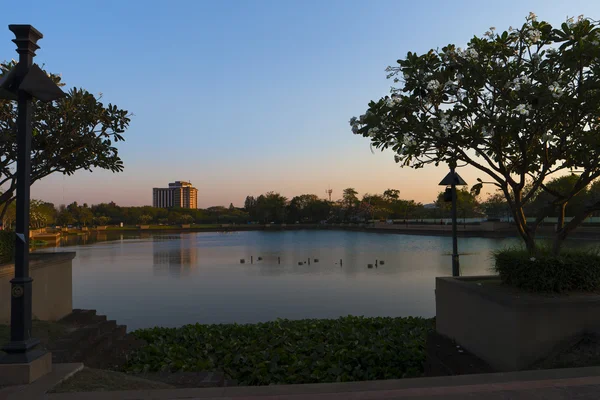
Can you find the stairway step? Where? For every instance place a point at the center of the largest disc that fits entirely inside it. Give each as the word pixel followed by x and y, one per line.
pixel 118 354
pixel 70 348
pixel 101 353
pixel 78 317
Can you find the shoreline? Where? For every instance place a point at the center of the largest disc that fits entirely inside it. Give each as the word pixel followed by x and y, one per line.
pixel 504 231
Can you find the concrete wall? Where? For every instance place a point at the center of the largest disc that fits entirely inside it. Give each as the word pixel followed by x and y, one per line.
pixel 507 328
pixel 52 286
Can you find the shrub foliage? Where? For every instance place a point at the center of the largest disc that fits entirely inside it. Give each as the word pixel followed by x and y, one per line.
pixel 570 271
pixel 7 246
pixel 284 351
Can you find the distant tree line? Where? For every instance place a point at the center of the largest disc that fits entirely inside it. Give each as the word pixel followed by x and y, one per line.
pixel 272 207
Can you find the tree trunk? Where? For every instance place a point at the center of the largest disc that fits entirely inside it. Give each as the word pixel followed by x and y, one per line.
pixel 561 217
pixel 561 234
pixel 526 233
pixel 3 213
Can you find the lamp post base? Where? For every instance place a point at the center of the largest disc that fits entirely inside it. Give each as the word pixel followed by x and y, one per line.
pixel 21 352
pixel 25 373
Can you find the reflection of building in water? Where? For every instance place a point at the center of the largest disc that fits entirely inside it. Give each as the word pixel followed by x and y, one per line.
pixel 173 254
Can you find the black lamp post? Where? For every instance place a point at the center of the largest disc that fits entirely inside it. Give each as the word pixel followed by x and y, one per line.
pixel 24 82
pixel 453 180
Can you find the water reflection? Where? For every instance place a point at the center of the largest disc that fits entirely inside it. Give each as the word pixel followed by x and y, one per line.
pixel 174 255
pixel 170 280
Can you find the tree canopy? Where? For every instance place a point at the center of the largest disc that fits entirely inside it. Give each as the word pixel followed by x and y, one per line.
pixel 77 132
pixel 519 105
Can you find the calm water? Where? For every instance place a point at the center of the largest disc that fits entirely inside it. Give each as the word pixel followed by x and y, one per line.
pixel 176 279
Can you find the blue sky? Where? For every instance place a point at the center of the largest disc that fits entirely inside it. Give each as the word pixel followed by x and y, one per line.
pixel 243 97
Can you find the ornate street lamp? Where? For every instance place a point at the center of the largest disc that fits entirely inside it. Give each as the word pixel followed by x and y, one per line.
pixel 451 181
pixel 24 82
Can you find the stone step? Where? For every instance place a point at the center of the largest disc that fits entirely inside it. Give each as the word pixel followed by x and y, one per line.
pixel 79 317
pixel 101 353
pixel 73 345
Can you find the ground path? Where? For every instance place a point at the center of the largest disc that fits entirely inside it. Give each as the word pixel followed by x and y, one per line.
pixel 557 384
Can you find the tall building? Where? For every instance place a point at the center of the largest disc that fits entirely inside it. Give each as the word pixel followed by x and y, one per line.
pixel 179 194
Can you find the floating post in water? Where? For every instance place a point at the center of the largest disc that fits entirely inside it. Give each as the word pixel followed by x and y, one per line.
pixel 242 261
pixel 259 258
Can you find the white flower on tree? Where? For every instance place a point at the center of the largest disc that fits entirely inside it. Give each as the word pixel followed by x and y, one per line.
pixel 534 35
pixel 522 109
pixel 472 53
pixel 474 102
pixel 556 90
pixel 433 85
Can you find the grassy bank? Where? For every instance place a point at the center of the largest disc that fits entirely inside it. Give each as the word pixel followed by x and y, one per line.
pixel 284 351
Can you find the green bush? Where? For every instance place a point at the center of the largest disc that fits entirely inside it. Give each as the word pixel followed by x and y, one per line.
pixel 572 270
pixel 284 351
pixel 7 246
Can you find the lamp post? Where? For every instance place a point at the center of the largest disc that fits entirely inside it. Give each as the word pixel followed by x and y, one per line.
pixel 24 82
pixel 453 180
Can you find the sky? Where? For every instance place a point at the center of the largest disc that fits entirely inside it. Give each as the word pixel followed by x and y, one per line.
pixel 245 97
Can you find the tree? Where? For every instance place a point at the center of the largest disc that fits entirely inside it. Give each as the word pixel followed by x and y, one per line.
pixel 73 133
pixel 544 203
pixel 519 106
pixel 9 217
pixel 64 216
pixel 349 197
pixel 85 216
pixel 466 203
pixel 391 194
pixel 308 208
pixel 186 219
pixel 103 220
pixel 145 219
pixel 495 206
pixel 375 206
pixel 271 207
pixel 41 214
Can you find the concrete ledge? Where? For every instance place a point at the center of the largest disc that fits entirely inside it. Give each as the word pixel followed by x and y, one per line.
pixel 22 374
pixel 52 288
pixel 508 328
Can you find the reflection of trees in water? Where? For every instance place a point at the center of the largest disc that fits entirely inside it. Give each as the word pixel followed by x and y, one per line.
pixel 174 254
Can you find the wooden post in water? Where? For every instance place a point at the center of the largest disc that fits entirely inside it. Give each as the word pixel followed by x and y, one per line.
pixel 278 260
pixel 251 260
pixel 340 262
pixel 309 261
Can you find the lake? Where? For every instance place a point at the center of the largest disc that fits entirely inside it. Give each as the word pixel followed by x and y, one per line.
pixel 176 279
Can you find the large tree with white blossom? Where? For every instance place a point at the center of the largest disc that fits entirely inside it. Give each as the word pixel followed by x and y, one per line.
pixel 518 105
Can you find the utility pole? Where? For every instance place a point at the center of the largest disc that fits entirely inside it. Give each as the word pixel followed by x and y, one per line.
pixel 329 191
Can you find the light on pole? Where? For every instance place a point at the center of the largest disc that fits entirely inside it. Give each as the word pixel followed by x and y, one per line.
pixel 451 181
pixel 23 83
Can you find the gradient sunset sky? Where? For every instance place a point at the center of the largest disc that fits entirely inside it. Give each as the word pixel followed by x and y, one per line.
pixel 245 97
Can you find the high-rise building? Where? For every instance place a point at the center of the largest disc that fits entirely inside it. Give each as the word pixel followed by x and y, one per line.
pixel 179 194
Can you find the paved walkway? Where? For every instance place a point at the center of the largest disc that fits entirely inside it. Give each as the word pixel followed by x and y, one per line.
pixel 558 384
